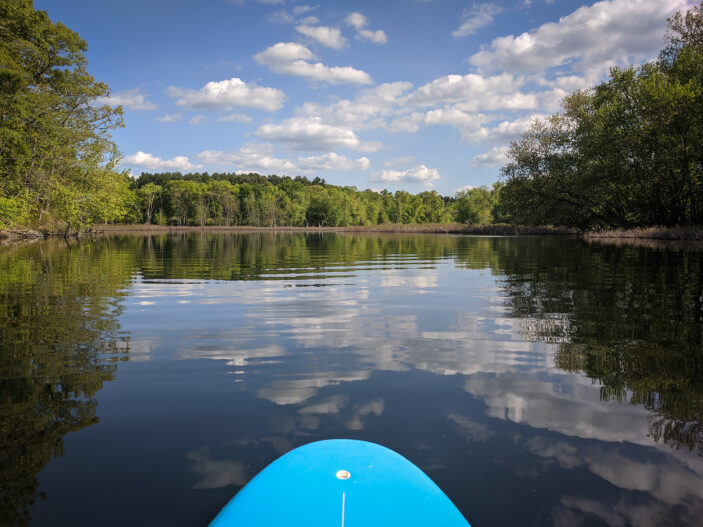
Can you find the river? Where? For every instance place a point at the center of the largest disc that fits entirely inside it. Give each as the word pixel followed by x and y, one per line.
pixel 537 380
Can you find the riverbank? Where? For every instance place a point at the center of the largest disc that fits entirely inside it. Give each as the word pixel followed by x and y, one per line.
pixel 430 228
pixel 620 236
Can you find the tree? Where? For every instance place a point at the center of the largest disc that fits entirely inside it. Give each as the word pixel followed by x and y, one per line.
pixel 148 196
pixel 625 153
pixel 57 158
pixel 475 206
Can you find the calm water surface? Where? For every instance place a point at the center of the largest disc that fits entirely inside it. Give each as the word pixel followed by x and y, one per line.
pixel 540 381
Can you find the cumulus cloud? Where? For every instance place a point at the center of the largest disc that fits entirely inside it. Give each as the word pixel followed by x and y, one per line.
pixel 130 99
pixel 619 31
pixel 359 22
pixel 366 111
pixel 419 174
pixel 289 58
pixel 152 162
pixel 356 20
pixel 327 36
pixel 475 18
pixel 249 158
pixel 468 123
pixel 504 131
pixel 377 37
pixel 170 118
pixel 332 162
pixel 226 94
pixel 495 157
pixel 260 157
pixel 196 120
pixel 471 87
pixel 312 134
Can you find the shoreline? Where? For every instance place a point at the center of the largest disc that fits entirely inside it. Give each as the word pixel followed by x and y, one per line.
pixel 412 228
pixel 652 236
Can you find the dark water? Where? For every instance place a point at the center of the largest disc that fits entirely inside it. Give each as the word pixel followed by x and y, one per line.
pixel 144 380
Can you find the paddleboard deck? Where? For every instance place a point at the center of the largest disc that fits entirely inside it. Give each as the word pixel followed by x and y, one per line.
pixel 340 482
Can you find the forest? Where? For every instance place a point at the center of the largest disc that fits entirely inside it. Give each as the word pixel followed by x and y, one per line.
pixel 625 153
pixel 251 199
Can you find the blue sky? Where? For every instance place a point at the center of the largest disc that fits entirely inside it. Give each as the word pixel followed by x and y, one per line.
pixel 411 94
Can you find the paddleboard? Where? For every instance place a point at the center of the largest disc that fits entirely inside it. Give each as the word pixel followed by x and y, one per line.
pixel 340 482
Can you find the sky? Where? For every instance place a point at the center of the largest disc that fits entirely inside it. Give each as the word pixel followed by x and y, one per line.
pixel 397 94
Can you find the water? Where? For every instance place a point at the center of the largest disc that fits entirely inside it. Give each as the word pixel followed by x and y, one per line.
pixel 144 380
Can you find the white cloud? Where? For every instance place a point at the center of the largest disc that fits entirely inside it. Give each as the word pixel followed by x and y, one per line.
pixel 301 9
pixel 224 95
pixel 407 123
pixel 283 53
pixel 377 37
pixel 152 162
pixel 468 123
pixel 250 157
pixel 495 157
pixel 289 58
pixel 259 158
pixel 356 20
pixel 332 162
pixel 471 87
pixel 464 188
pixel 170 118
pixel 359 22
pixel 196 120
pixel 130 99
pixel 283 16
pixel 327 36
pixel 452 116
pixel 366 111
pixel 475 18
pixel 504 131
pixel 303 133
pixel 609 31
pixel 419 174
pixel 235 118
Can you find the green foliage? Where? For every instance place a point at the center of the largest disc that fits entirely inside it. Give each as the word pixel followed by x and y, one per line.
pixel 57 159
pixel 477 206
pixel 251 199
pixel 626 153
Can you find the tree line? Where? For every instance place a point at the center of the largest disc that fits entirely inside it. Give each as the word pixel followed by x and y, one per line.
pixel 251 199
pixel 627 152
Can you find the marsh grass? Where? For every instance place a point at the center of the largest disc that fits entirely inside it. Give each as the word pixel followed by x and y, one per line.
pixel 649 233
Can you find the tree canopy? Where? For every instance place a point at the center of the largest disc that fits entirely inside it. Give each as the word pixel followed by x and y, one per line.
pixel 625 153
pixel 57 158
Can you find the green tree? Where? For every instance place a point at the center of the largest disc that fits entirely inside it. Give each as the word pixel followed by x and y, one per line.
pixel 57 158
pixel 148 197
pixel 475 206
pixel 626 153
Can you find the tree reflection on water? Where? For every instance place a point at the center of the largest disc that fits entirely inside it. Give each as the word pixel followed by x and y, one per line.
pixel 59 343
